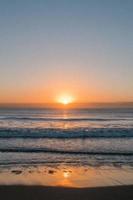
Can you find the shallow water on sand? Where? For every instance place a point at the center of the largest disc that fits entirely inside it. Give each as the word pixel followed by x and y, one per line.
pixel 67 176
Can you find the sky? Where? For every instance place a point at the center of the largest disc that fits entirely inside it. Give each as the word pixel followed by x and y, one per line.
pixel 81 48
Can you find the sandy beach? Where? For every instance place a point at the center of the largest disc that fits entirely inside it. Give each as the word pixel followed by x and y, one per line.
pixel 61 193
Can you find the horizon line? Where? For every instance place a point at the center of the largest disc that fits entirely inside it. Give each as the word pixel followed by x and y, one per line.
pixel 69 106
pixel 91 102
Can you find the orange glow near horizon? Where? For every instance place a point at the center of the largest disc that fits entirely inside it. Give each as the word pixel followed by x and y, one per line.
pixel 42 96
pixel 65 99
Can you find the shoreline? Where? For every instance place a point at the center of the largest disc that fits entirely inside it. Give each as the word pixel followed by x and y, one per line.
pixel 22 192
pixel 67 176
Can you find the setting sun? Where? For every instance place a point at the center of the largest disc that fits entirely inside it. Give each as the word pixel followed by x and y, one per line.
pixel 66 99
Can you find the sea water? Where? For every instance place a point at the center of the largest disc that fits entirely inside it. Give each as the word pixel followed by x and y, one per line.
pixel 75 147
pixel 77 137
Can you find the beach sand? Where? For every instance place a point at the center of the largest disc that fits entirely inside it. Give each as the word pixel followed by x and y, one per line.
pixel 62 193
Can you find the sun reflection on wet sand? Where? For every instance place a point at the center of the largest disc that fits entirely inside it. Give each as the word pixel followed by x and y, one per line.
pixel 67 176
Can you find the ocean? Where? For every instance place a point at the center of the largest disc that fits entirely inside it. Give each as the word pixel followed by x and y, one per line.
pixel 75 147
pixel 77 137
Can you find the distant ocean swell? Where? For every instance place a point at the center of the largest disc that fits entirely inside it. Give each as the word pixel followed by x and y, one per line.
pixel 66 133
pixel 62 119
pixel 60 151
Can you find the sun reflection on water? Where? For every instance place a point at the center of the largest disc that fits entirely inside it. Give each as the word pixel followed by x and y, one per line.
pixel 66 174
pixel 67 177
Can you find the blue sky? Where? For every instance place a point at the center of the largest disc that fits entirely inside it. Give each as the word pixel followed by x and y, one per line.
pixel 81 47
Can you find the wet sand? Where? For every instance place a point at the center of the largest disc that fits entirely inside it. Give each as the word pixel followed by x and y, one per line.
pixel 62 193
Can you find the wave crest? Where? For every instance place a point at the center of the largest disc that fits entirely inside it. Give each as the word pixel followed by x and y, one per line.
pixel 66 133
